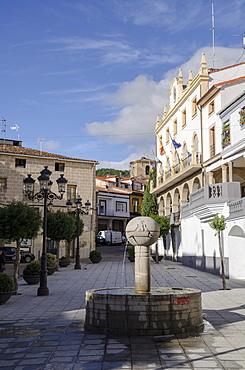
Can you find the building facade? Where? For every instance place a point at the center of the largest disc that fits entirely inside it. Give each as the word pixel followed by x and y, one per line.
pixel 201 169
pixel 16 162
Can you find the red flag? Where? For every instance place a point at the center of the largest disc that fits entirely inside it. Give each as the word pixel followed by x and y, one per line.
pixel 161 148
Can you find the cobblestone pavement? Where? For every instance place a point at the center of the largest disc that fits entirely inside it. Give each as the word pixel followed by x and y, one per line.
pixel 46 333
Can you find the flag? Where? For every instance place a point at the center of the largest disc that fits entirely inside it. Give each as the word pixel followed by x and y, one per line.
pixel 175 144
pixel 161 148
pixel 157 160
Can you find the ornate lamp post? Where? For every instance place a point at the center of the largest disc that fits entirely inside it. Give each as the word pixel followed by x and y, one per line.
pixel 78 211
pixel 45 194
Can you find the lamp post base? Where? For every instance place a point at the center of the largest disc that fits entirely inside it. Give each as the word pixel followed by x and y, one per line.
pixel 42 291
pixel 77 267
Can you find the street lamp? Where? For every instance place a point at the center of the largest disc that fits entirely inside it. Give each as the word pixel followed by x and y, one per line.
pixel 78 211
pixel 45 194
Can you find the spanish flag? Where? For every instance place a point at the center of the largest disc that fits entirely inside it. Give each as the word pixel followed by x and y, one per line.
pixel 161 148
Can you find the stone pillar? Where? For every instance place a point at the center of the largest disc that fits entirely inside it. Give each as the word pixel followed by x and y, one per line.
pixel 210 177
pixel 142 269
pixel 142 232
pixel 224 173
pixel 230 165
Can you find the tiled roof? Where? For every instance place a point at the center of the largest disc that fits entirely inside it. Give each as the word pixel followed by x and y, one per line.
pixel 113 190
pixel 230 81
pixel 20 150
pixel 221 69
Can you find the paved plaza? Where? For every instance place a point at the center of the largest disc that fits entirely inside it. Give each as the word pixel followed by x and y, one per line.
pixel 46 333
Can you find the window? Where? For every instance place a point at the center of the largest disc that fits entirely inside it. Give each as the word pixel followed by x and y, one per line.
pixel 135 205
pixel 194 107
pixel 226 137
pixel 20 162
pixel 3 184
pixel 147 170
pixel 211 107
pixel 121 206
pixel 71 192
pixel 184 118
pixel 175 127
pixel 242 117
pixel 60 167
pixel 212 141
pixel 167 135
pixel 102 207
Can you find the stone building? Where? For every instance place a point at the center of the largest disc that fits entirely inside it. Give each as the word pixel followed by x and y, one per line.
pixel 16 162
pixel 141 167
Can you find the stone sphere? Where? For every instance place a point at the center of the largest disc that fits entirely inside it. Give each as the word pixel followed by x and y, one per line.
pixel 142 231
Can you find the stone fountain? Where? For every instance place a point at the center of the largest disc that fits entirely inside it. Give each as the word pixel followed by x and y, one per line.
pixel 143 310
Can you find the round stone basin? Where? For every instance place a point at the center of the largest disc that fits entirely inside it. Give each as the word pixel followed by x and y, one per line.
pixel 120 311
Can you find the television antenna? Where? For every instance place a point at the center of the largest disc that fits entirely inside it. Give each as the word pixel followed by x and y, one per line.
pixel 40 141
pixel 243 39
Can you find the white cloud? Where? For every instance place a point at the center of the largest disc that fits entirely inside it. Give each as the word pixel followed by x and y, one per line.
pixel 51 145
pixel 141 151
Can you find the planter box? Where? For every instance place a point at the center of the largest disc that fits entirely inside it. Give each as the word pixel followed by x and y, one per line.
pixel 64 263
pixel 155 258
pixel 32 279
pixel 51 270
pixel 4 296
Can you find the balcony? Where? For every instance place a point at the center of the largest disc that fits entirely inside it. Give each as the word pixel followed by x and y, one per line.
pixel 206 202
pixel 190 165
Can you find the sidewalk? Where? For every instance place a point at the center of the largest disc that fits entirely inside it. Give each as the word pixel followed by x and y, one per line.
pixel 46 333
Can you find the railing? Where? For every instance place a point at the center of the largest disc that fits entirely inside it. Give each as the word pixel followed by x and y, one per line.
pixel 236 206
pixel 177 168
pixel 212 150
pixel 187 160
pixel 215 191
pixel 168 174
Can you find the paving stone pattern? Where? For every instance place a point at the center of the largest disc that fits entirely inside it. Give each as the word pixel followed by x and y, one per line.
pixel 47 333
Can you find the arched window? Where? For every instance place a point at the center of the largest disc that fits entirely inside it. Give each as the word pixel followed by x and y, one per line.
pixel 147 170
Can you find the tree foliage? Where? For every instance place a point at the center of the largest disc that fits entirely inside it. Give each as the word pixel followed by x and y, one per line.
pixel 62 226
pixel 149 203
pixel 164 224
pixel 110 171
pixel 219 224
pixel 19 221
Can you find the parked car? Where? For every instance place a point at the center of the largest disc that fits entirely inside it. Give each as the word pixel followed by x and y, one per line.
pixel 100 240
pixel 10 255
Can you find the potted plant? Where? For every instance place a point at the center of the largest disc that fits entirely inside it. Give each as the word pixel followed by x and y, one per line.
pixel 130 252
pixel 6 287
pixel 51 263
pixel 31 273
pixel 64 262
pixel 95 256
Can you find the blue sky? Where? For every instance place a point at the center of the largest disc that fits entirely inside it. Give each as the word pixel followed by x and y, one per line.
pixel 89 77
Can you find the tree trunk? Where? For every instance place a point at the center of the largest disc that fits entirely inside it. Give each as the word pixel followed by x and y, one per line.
pixel 173 243
pixel 68 249
pixel 57 254
pixel 165 246
pixel 157 254
pixel 222 261
pixel 16 266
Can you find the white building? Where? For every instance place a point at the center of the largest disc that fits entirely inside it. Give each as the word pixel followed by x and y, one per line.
pixel 201 147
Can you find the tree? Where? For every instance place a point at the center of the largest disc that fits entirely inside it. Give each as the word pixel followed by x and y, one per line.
pixel 219 224
pixel 110 171
pixel 62 226
pixel 149 203
pixel 19 221
pixel 164 224
pixel 71 237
